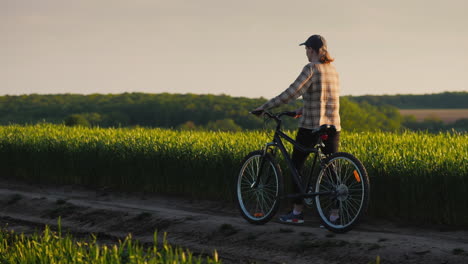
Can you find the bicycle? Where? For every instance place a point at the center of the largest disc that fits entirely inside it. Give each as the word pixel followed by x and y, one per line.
pixel 341 187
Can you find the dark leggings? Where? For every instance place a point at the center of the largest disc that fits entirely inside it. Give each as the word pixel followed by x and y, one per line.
pixel 306 138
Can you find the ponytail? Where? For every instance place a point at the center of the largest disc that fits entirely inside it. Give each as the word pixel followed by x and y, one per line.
pixel 324 56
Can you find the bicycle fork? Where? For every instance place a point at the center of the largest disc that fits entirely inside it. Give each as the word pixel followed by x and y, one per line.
pixel 262 163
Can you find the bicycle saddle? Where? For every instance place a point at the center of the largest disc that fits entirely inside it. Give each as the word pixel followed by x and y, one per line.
pixel 327 129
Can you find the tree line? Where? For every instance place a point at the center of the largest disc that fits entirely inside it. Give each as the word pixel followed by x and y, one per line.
pixel 446 100
pixel 177 111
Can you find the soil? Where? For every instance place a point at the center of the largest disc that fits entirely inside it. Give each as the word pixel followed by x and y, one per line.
pixel 203 226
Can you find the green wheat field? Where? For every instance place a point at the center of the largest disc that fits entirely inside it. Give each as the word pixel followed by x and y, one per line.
pixel 54 247
pixel 415 177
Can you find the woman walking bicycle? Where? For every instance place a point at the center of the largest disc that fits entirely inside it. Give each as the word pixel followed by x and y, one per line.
pixel 318 84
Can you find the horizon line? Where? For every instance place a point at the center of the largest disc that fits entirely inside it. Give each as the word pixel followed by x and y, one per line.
pixel 220 94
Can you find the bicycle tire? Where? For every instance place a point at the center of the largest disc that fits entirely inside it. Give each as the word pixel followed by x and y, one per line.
pixel 346 176
pixel 258 205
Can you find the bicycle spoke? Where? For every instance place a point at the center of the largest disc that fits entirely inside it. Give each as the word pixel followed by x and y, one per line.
pixel 349 212
pixel 268 202
pixel 256 204
pixel 345 213
pixel 338 170
pixel 269 199
pixel 329 173
pixel 355 183
pixel 262 197
pixel 348 172
pixel 253 175
pixel 352 207
pixel 272 185
pixel 271 193
pixel 322 203
pixel 258 167
pixel 261 203
pixel 246 182
pixel 354 189
pixel 329 178
pixel 325 189
pixel 348 175
pixel 355 197
pixel 353 210
pixel 341 213
pixel 355 203
pixel 249 191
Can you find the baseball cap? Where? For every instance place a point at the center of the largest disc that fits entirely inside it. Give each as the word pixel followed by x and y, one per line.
pixel 315 42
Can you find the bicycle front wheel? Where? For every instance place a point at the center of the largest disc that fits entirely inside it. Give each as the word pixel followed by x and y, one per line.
pixel 347 183
pixel 259 187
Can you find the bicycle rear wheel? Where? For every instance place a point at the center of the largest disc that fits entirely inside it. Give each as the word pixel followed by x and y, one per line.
pixel 347 179
pixel 258 204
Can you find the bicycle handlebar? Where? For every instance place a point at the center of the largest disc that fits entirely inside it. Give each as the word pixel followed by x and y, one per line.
pixel 274 116
pixel 256 112
pixel 323 128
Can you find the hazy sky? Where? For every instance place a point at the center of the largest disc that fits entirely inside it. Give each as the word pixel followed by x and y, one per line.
pixel 240 48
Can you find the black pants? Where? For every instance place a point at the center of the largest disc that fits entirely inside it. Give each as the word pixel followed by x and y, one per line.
pixel 306 138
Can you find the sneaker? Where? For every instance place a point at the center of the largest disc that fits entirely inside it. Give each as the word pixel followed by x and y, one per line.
pixel 292 218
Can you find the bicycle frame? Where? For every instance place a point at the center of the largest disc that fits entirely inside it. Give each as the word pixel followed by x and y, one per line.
pixel 278 143
pixel 338 187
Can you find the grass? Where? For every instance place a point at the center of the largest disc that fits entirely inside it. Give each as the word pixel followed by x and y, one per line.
pixel 415 177
pixel 53 247
pixel 377 260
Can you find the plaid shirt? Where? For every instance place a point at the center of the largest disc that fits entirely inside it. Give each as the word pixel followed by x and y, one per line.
pixel 320 87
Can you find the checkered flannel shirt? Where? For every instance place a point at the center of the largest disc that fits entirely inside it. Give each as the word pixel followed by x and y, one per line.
pixel 320 87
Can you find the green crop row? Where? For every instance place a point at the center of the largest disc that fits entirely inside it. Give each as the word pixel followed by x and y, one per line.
pixel 51 247
pixel 415 177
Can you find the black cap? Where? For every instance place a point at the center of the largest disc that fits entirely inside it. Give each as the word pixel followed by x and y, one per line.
pixel 315 42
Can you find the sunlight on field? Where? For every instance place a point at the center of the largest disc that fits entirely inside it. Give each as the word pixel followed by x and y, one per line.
pixel 446 115
pixel 416 167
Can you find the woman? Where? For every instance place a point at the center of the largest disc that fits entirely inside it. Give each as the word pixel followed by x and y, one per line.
pixel 319 86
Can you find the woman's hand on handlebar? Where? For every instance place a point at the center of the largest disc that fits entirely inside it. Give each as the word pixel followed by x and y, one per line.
pixel 298 112
pixel 258 111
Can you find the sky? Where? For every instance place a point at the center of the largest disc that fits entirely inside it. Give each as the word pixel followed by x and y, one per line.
pixel 244 48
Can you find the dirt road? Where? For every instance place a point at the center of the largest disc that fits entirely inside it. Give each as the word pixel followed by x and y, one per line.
pixel 203 226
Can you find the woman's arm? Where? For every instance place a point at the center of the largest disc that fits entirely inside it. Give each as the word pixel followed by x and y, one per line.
pixel 295 90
